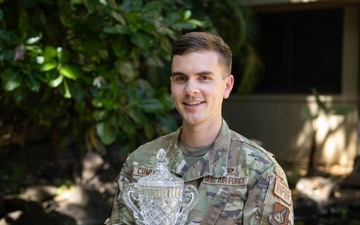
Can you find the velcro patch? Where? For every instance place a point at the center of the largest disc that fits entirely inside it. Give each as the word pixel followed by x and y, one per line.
pixel 225 180
pixel 282 191
pixel 280 215
pixel 142 171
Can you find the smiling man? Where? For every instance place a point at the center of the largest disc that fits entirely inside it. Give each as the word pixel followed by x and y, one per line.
pixel 238 181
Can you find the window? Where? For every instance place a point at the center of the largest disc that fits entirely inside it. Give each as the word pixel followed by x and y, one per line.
pixel 301 50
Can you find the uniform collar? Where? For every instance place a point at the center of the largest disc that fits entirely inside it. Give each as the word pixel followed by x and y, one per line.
pixel 214 163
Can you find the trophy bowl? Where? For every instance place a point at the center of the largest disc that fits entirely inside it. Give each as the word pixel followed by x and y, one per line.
pixel 160 198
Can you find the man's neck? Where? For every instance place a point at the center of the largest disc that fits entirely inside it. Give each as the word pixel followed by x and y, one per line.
pixel 200 135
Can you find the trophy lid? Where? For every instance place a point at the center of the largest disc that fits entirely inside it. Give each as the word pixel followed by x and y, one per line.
pixel 161 175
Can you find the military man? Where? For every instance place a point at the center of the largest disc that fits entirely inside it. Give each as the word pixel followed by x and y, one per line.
pixel 238 181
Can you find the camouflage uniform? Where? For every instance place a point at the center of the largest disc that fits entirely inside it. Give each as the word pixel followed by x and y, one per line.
pixel 238 181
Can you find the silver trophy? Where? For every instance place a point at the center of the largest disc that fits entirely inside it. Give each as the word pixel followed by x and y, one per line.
pixel 160 198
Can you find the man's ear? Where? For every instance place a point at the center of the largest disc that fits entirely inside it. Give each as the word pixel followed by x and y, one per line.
pixel 228 86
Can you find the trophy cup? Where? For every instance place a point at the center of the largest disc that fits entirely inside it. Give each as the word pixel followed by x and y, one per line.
pixel 160 198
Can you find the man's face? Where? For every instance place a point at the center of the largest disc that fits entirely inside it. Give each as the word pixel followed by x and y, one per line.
pixel 198 86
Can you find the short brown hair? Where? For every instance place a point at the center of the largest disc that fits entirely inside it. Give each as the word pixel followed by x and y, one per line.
pixel 194 41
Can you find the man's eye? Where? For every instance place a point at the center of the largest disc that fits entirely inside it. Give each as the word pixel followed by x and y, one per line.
pixel 204 78
pixel 179 78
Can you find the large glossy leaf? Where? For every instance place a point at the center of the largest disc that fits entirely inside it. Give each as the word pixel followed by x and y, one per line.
pixel 142 40
pixel 121 46
pixel 10 79
pixel 99 115
pixel 50 53
pixel 56 82
pixel 66 18
pixel 64 89
pixel 138 116
pixel 117 29
pixel 32 83
pixel 149 131
pixel 63 56
pixel 70 72
pixel 48 65
pixel 106 132
pixel 151 105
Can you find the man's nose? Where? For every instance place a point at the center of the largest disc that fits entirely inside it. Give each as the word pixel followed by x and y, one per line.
pixel 191 87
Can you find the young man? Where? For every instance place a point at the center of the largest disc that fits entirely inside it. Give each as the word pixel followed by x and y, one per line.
pixel 238 181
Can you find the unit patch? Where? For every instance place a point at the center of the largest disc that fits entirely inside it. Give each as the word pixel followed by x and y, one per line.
pixel 280 215
pixel 225 180
pixel 282 191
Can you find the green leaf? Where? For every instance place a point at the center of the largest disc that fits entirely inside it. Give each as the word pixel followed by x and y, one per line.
pixel 121 46
pixel 64 89
pixel 142 40
pixel 11 80
pixel 99 115
pixel 23 25
pixel 34 39
pixel 91 5
pixel 50 53
pixel 307 115
pixel 320 103
pixel 19 95
pixel 32 83
pixel 149 131
pixel 118 17
pixel 48 65
pixel 96 102
pixel 187 15
pixel 70 72
pixel 63 56
pixel 66 19
pixel 56 82
pixel 151 105
pixel 341 110
pixel 138 116
pixel 106 132
pixel 117 29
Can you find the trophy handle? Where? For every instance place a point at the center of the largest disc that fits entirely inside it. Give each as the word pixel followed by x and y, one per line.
pixel 190 196
pixel 131 191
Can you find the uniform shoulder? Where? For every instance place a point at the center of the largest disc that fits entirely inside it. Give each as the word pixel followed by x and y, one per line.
pixel 255 151
pixel 251 148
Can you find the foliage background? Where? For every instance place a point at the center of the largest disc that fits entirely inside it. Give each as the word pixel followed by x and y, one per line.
pixel 96 71
pixel 80 70
pixel 83 76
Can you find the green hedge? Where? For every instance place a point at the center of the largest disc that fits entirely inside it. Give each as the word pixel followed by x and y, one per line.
pixel 91 71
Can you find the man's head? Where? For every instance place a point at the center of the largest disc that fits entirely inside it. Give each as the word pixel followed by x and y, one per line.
pixel 196 41
pixel 200 77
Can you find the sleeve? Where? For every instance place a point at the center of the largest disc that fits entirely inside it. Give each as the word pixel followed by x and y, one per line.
pixel 269 201
pixel 120 213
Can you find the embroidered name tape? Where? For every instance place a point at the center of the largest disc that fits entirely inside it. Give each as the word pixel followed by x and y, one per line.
pixel 142 171
pixel 225 180
pixel 282 191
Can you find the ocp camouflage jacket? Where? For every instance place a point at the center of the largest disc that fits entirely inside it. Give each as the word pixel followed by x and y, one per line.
pixel 238 181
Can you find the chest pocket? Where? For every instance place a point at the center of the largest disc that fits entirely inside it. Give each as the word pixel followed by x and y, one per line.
pixel 226 208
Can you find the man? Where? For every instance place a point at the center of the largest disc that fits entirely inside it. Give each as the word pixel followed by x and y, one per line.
pixel 238 181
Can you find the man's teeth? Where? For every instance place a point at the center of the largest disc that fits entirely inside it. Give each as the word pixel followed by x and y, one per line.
pixel 193 103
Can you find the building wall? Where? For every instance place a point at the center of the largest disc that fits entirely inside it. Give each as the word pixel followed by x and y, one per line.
pixel 276 122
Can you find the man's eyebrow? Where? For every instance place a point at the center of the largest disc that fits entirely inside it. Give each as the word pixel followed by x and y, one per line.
pixel 206 72
pixel 177 73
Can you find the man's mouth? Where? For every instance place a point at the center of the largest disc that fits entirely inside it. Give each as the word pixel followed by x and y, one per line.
pixel 192 103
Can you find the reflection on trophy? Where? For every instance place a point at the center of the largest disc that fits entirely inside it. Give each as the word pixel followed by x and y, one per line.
pixel 160 198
